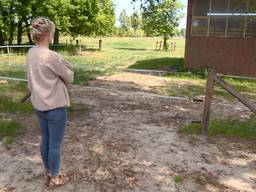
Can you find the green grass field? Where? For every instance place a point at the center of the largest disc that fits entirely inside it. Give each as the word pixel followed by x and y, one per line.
pixel 118 54
pixel 138 53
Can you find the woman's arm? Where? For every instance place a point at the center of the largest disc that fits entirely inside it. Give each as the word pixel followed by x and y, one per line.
pixel 66 72
pixel 63 70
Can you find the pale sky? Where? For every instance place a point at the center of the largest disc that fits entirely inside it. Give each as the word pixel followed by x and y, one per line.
pixel 126 4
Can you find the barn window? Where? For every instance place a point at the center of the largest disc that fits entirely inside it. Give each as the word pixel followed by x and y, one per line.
pixel 226 18
pixel 251 20
pixel 200 18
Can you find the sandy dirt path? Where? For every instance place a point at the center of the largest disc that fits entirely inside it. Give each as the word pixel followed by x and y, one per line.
pixel 128 141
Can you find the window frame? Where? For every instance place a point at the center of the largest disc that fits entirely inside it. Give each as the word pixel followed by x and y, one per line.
pixel 228 16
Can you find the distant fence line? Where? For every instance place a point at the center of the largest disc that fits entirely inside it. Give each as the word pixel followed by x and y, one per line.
pixel 7 49
pixel 160 45
pixel 72 48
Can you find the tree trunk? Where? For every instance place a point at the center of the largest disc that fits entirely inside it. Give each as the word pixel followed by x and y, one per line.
pixel 1 37
pixel 56 36
pixel 11 33
pixel 165 42
pixel 19 35
pixel 28 32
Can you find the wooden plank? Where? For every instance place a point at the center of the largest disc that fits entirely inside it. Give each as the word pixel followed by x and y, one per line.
pixel 208 100
pixel 235 93
pixel 25 98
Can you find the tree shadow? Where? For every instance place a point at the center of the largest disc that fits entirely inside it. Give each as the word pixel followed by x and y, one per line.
pixel 163 64
pixel 133 49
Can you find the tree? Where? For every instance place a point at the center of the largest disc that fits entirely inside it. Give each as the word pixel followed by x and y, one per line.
pixel 105 19
pixel 60 12
pixel 3 16
pixel 8 16
pixel 16 15
pixel 25 10
pixel 136 21
pixel 160 17
pixel 82 17
pixel 183 32
pixel 125 22
pixel 74 17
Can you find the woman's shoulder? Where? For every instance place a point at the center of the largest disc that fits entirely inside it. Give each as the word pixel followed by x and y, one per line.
pixel 54 54
pixel 32 49
pixel 54 58
pixel 41 50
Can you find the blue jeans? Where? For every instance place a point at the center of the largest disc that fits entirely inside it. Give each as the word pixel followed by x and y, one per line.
pixel 52 126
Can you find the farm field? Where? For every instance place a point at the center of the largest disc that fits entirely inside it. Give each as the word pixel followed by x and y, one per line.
pixel 122 135
pixel 139 53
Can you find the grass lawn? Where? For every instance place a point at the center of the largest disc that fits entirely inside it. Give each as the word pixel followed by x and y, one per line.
pixel 194 85
pixel 136 53
pixel 117 53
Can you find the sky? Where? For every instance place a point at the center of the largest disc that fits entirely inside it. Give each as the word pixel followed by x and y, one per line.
pixel 126 4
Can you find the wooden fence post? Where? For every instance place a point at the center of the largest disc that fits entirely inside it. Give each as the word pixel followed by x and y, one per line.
pixel 208 100
pixel 8 51
pixel 160 47
pixel 100 45
pixel 156 45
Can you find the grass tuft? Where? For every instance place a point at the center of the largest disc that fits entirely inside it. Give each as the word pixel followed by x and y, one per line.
pixel 82 76
pixel 9 130
pixel 178 179
pixel 75 107
pixel 7 105
pixel 229 128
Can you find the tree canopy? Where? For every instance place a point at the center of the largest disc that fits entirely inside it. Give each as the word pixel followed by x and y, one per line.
pixel 160 17
pixel 74 17
pixel 136 20
pixel 124 19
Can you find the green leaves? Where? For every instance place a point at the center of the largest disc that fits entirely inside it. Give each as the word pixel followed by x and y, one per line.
pixel 74 17
pixel 161 18
pixel 136 20
pixel 105 19
pixel 124 19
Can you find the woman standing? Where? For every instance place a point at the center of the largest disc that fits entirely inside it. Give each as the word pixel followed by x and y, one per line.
pixel 48 76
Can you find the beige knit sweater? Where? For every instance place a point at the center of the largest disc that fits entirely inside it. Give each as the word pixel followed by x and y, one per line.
pixel 48 76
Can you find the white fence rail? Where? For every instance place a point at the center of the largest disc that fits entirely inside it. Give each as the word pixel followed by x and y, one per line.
pixel 13 79
pixel 8 49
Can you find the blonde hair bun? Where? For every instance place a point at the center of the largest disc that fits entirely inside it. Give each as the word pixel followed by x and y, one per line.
pixel 41 26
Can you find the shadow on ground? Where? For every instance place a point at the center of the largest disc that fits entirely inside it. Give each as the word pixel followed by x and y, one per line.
pixel 164 64
pixel 133 49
